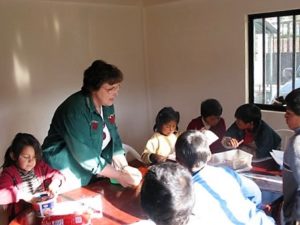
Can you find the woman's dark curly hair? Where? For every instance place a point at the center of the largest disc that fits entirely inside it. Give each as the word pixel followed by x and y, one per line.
pixel 99 73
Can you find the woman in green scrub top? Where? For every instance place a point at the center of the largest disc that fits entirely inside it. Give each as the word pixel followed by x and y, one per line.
pixel 83 140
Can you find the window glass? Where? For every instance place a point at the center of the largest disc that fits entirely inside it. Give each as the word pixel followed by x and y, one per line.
pixel 274 62
pixel 258 59
pixel 270 59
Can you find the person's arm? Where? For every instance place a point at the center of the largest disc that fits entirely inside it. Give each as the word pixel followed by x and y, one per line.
pixel 82 141
pixel 231 143
pixel 90 158
pixel 10 192
pixel 249 188
pixel 266 140
pixel 119 161
pixel 151 147
pixel 295 167
pixel 55 177
pixel 127 176
pixel 232 138
pixel 130 175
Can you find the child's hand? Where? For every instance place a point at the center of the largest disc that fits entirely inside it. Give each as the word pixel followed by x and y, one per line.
pixel 203 129
pixel 233 143
pixel 229 142
pixel 54 187
pixel 156 158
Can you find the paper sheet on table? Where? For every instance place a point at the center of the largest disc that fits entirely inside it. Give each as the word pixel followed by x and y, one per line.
pixel 237 159
pixel 261 159
pixel 277 156
pixel 266 182
pixel 68 207
pixel 92 205
pixel 211 136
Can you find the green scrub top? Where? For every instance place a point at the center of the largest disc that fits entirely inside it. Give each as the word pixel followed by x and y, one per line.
pixel 75 138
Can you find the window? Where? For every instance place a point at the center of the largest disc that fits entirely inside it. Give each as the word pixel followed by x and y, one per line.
pixel 274 57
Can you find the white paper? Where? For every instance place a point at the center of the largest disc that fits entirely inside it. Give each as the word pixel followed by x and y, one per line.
pixel 277 156
pixel 261 159
pixel 211 136
pixel 91 205
pixel 68 207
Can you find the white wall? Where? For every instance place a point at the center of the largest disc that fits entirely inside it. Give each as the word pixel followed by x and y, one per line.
pixel 45 47
pixel 197 50
pixel 172 52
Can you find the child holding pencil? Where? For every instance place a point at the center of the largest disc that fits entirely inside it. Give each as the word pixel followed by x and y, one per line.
pixel 250 133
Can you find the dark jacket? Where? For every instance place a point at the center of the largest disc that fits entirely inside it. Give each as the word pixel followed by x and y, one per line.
pixel 265 138
pixel 291 179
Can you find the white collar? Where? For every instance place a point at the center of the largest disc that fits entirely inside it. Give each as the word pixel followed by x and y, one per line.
pixel 101 111
pixel 204 123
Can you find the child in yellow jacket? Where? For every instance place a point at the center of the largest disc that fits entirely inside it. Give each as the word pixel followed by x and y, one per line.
pixel 161 145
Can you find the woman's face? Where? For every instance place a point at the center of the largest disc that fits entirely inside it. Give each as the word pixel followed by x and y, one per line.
pixel 27 159
pixel 106 94
pixel 292 119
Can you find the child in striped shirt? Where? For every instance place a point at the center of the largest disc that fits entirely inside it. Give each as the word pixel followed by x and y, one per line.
pixel 24 174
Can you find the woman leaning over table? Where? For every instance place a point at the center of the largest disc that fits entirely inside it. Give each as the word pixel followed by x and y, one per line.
pixel 83 141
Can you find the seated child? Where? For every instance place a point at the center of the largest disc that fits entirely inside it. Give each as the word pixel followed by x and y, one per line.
pixel 161 145
pixel 210 119
pixel 24 174
pixel 250 133
pixel 222 196
pixel 291 163
pixel 167 195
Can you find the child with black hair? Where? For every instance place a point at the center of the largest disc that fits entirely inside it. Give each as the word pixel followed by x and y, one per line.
pixel 161 145
pixel 250 133
pixel 167 195
pixel 210 119
pixel 222 196
pixel 25 174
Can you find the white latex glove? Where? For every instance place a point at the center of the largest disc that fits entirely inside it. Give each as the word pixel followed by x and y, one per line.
pixel 132 176
pixel 127 177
